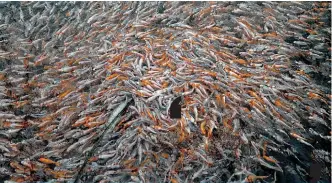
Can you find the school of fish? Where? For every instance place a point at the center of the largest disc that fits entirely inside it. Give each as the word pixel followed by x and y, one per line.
pixel 254 78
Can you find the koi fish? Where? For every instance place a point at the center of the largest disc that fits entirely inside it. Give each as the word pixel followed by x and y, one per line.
pixel 48 161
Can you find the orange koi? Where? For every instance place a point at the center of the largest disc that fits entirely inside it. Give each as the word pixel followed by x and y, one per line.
pixel 202 127
pixel 271 68
pixel 247 24
pixel 209 134
pixel 301 72
pixel 234 39
pixel 149 114
pixel 296 135
pixel 26 62
pixel 182 136
pixel 245 109
pixel 253 178
pixel 206 144
pixel 312 95
pixel 174 180
pixel 122 78
pixel 2 77
pixel 245 75
pixel 272 34
pixel 18 179
pixel 16 165
pixel 280 104
pixel 7 124
pixel 312 32
pixel 19 104
pixel 209 73
pixel 40 60
pixel 216 29
pixel 145 82
pixel 240 61
pixel 64 94
pixel 252 93
pixel 235 75
pixel 177 89
pixel 48 161
pixel 227 122
pixel 61 174
pixel 277 114
pixel 293 98
pixel 253 103
pixel 94 124
pixel 216 87
pixel 92 159
pixel 185 59
pixel 269 159
pixel 129 163
pixel 165 155
pixel 30 165
pixel 204 11
pixel 171 66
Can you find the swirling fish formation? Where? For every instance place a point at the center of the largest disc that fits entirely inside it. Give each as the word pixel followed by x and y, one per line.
pixel 254 77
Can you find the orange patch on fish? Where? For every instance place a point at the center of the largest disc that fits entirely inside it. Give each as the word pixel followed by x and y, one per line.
pixel 240 61
pixel 253 178
pixel 48 161
pixel 269 159
pixel 202 127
